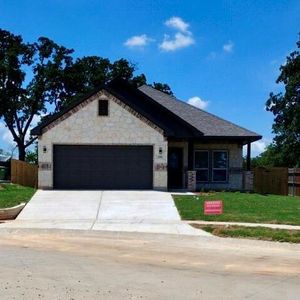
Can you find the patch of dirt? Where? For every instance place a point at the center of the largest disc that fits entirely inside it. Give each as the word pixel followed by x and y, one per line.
pixel 213 229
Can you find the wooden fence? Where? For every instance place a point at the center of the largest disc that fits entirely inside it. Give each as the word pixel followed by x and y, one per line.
pixel 294 182
pixel 24 173
pixel 271 181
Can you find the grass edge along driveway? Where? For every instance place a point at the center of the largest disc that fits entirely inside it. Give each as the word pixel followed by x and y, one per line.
pixel 257 233
pixel 242 207
pixel 13 194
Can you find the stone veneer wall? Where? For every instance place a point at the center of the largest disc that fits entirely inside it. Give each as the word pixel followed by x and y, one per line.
pixel 123 126
pixel 235 178
pixel 248 180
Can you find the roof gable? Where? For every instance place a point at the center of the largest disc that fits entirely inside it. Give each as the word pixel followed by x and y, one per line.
pixel 149 109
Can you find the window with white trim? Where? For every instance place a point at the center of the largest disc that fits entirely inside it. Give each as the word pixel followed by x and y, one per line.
pixel 219 165
pixel 201 165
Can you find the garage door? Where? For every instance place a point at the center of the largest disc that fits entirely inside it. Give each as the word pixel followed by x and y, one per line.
pixel 102 167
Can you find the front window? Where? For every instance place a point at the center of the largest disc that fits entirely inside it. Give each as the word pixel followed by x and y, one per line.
pixel 211 166
pixel 219 166
pixel 202 165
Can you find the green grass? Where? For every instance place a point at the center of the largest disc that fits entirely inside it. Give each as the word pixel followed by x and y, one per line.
pixel 243 207
pixel 258 233
pixel 12 195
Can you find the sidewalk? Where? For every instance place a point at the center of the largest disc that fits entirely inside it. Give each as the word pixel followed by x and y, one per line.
pixel 273 226
pixel 177 228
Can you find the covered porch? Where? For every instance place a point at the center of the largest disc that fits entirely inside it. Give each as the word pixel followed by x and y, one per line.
pixel 216 164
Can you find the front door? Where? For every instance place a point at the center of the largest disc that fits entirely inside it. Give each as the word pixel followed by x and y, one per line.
pixel 175 167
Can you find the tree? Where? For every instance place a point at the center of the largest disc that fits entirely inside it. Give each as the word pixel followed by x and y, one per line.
pixel 42 78
pixel 32 156
pixel 285 107
pixel 163 87
pixel 89 72
pixel 269 158
pixel 22 98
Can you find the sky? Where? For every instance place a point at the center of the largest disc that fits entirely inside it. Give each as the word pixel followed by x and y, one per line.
pixel 222 56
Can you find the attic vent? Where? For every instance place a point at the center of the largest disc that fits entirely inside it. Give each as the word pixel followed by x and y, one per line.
pixel 103 108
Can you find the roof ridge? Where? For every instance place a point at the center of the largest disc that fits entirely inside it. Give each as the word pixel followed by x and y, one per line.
pixel 197 108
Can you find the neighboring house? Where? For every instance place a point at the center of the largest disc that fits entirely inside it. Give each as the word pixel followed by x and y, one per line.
pixel 120 137
pixel 4 158
pixel 4 166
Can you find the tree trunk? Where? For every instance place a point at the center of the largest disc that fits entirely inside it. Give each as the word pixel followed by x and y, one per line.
pixel 22 152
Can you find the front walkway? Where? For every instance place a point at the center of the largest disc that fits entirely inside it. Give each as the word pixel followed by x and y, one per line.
pixel 133 211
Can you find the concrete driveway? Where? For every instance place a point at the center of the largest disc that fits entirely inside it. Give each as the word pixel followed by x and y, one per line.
pixel 136 211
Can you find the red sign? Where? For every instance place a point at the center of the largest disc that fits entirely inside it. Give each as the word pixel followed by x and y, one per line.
pixel 213 207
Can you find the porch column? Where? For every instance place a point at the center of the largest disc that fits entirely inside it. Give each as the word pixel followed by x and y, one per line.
pixel 248 156
pixel 190 155
pixel 191 174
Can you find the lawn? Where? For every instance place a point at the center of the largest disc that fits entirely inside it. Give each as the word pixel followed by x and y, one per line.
pixel 242 207
pixel 12 194
pixel 258 233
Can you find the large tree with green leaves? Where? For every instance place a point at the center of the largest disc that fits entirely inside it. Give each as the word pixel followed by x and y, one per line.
pixel 286 109
pixel 30 78
pixel 42 77
pixel 269 158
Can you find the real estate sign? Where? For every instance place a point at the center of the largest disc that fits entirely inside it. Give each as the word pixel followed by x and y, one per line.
pixel 213 207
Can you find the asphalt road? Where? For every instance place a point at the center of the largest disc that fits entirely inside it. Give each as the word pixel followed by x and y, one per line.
pixel 39 264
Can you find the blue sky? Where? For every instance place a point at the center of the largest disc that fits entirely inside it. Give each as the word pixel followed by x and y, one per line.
pixel 225 55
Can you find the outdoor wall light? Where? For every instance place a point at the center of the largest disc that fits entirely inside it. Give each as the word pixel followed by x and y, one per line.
pixel 44 149
pixel 160 150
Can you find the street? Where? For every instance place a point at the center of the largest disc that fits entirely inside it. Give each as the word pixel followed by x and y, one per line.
pixel 52 264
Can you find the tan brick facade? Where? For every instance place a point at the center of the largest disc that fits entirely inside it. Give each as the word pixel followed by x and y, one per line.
pixel 123 126
pixel 82 125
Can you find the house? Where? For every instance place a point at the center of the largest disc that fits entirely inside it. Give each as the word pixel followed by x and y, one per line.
pixel 122 137
pixel 4 158
pixel 4 167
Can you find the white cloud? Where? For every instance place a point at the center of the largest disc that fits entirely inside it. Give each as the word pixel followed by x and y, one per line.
pixel 258 147
pixel 138 41
pixel 228 47
pixel 198 102
pixel 36 119
pixel 183 37
pixel 6 137
pixel 178 24
pixel 179 41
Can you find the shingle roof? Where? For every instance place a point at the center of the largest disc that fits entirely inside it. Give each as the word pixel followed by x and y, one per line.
pixel 177 118
pixel 209 124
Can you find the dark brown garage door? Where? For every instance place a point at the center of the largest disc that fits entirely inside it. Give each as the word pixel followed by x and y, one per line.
pixel 103 167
